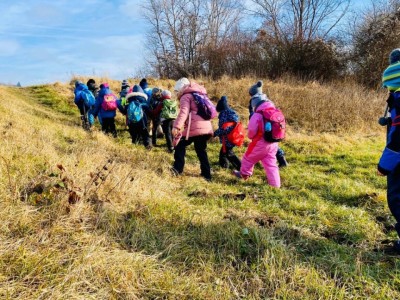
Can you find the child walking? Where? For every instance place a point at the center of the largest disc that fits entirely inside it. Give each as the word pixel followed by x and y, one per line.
pixel 169 112
pixel 259 149
pixel 227 120
pixel 256 95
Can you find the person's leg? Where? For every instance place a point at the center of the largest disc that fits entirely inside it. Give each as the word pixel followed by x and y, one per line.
pixel 105 125
pixel 113 129
pixel 133 131
pixel 179 156
pixel 280 156
pixel 156 123
pixel 233 159
pixel 393 197
pixel 270 166
pixel 144 133
pixel 223 160
pixel 200 146
pixel 167 128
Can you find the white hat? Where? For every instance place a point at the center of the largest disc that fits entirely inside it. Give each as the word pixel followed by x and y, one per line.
pixel 180 84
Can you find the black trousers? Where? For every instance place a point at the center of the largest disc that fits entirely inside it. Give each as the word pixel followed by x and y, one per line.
pixel 108 126
pixel 139 133
pixel 393 196
pixel 200 146
pixel 229 157
pixel 167 128
pixel 156 123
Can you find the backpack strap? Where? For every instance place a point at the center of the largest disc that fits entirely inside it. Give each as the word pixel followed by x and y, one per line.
pixel 228 124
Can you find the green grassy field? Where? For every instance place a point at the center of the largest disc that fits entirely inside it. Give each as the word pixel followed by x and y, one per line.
pixel 84 216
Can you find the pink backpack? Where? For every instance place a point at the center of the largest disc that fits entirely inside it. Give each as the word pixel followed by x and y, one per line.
pixel 276 130
pixel 109 102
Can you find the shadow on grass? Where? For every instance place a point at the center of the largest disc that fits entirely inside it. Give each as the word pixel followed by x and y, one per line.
pixel 244 244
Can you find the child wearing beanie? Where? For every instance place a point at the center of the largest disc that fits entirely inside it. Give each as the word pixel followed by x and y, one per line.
pixel 169 112
pixel 227 120
pixel 257 96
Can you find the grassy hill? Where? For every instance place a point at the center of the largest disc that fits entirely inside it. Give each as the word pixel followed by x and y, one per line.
pixel 84 216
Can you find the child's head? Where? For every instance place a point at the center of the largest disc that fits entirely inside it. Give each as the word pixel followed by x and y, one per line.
pixel 256 88
pixel 104 85
pixel 124 84
pixel 166 94
pixel 222 104
pixel 143 83
pixel 156 93
pixel 180 85
pixel 394 56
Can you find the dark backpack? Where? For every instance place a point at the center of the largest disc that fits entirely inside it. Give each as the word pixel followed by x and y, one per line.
pixel 88 98
pixel 205 108
pixel 134 112
pixel 275 131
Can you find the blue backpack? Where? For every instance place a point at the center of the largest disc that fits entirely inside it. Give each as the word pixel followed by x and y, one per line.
pixel 88 98
pixel 205 108
pixel 134 112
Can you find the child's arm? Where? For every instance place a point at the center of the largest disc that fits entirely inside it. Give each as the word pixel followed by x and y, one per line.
pixel 255 125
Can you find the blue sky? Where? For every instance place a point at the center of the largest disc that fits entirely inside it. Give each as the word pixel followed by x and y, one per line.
pixel 45 41
pixel 50 40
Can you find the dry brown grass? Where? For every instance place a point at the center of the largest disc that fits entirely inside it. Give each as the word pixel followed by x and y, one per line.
pixel 340 107
pixel 85 216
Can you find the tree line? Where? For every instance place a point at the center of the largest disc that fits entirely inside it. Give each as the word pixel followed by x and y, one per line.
pixel 310 39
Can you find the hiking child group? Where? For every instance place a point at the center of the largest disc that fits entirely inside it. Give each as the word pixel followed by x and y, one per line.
pixel 147 109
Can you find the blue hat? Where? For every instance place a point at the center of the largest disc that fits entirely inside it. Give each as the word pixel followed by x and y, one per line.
pixel 77 82
pixel 256 89
pixel 222 104
pixel 143 83
pixel 394 56
pixel 137 89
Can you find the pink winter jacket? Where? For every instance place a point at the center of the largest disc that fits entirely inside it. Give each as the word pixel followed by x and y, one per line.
pixel 255 130
pixel 198 126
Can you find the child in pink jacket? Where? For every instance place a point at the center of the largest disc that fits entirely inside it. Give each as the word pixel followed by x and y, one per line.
pixel 259 149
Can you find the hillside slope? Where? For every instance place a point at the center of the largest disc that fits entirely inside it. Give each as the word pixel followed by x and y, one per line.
pixel 85 216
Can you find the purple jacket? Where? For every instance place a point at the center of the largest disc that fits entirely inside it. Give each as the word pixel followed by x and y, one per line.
pixel 198 126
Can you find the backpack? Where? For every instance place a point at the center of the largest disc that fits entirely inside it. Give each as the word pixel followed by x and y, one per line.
pixel 169 110
pixel 109 102
pixel 236 135
pixel 134 112
pixel 205 108
pixel 88 98
pixel 276 129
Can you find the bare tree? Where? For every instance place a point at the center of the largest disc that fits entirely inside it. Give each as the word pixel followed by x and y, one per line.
pixel 186 34
pixel 300 20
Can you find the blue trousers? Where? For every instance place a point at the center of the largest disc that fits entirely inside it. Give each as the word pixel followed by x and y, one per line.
pixel 393 196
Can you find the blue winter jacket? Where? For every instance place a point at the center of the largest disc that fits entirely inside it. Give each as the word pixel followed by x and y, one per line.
pixel 227 115
pixel 390 159
pixel 78 98
pixel 98 110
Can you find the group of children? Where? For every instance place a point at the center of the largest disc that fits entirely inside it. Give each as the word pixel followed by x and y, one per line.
pixel 146 108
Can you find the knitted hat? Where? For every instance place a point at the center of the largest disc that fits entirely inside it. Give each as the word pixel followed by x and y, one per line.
pixel 137 89
pixel 143 83
pixel 104 85
pixel 394 56
pixel 256 89
pixel 156 93
pixel 166 94
pixel 222 104
pixel 180 84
